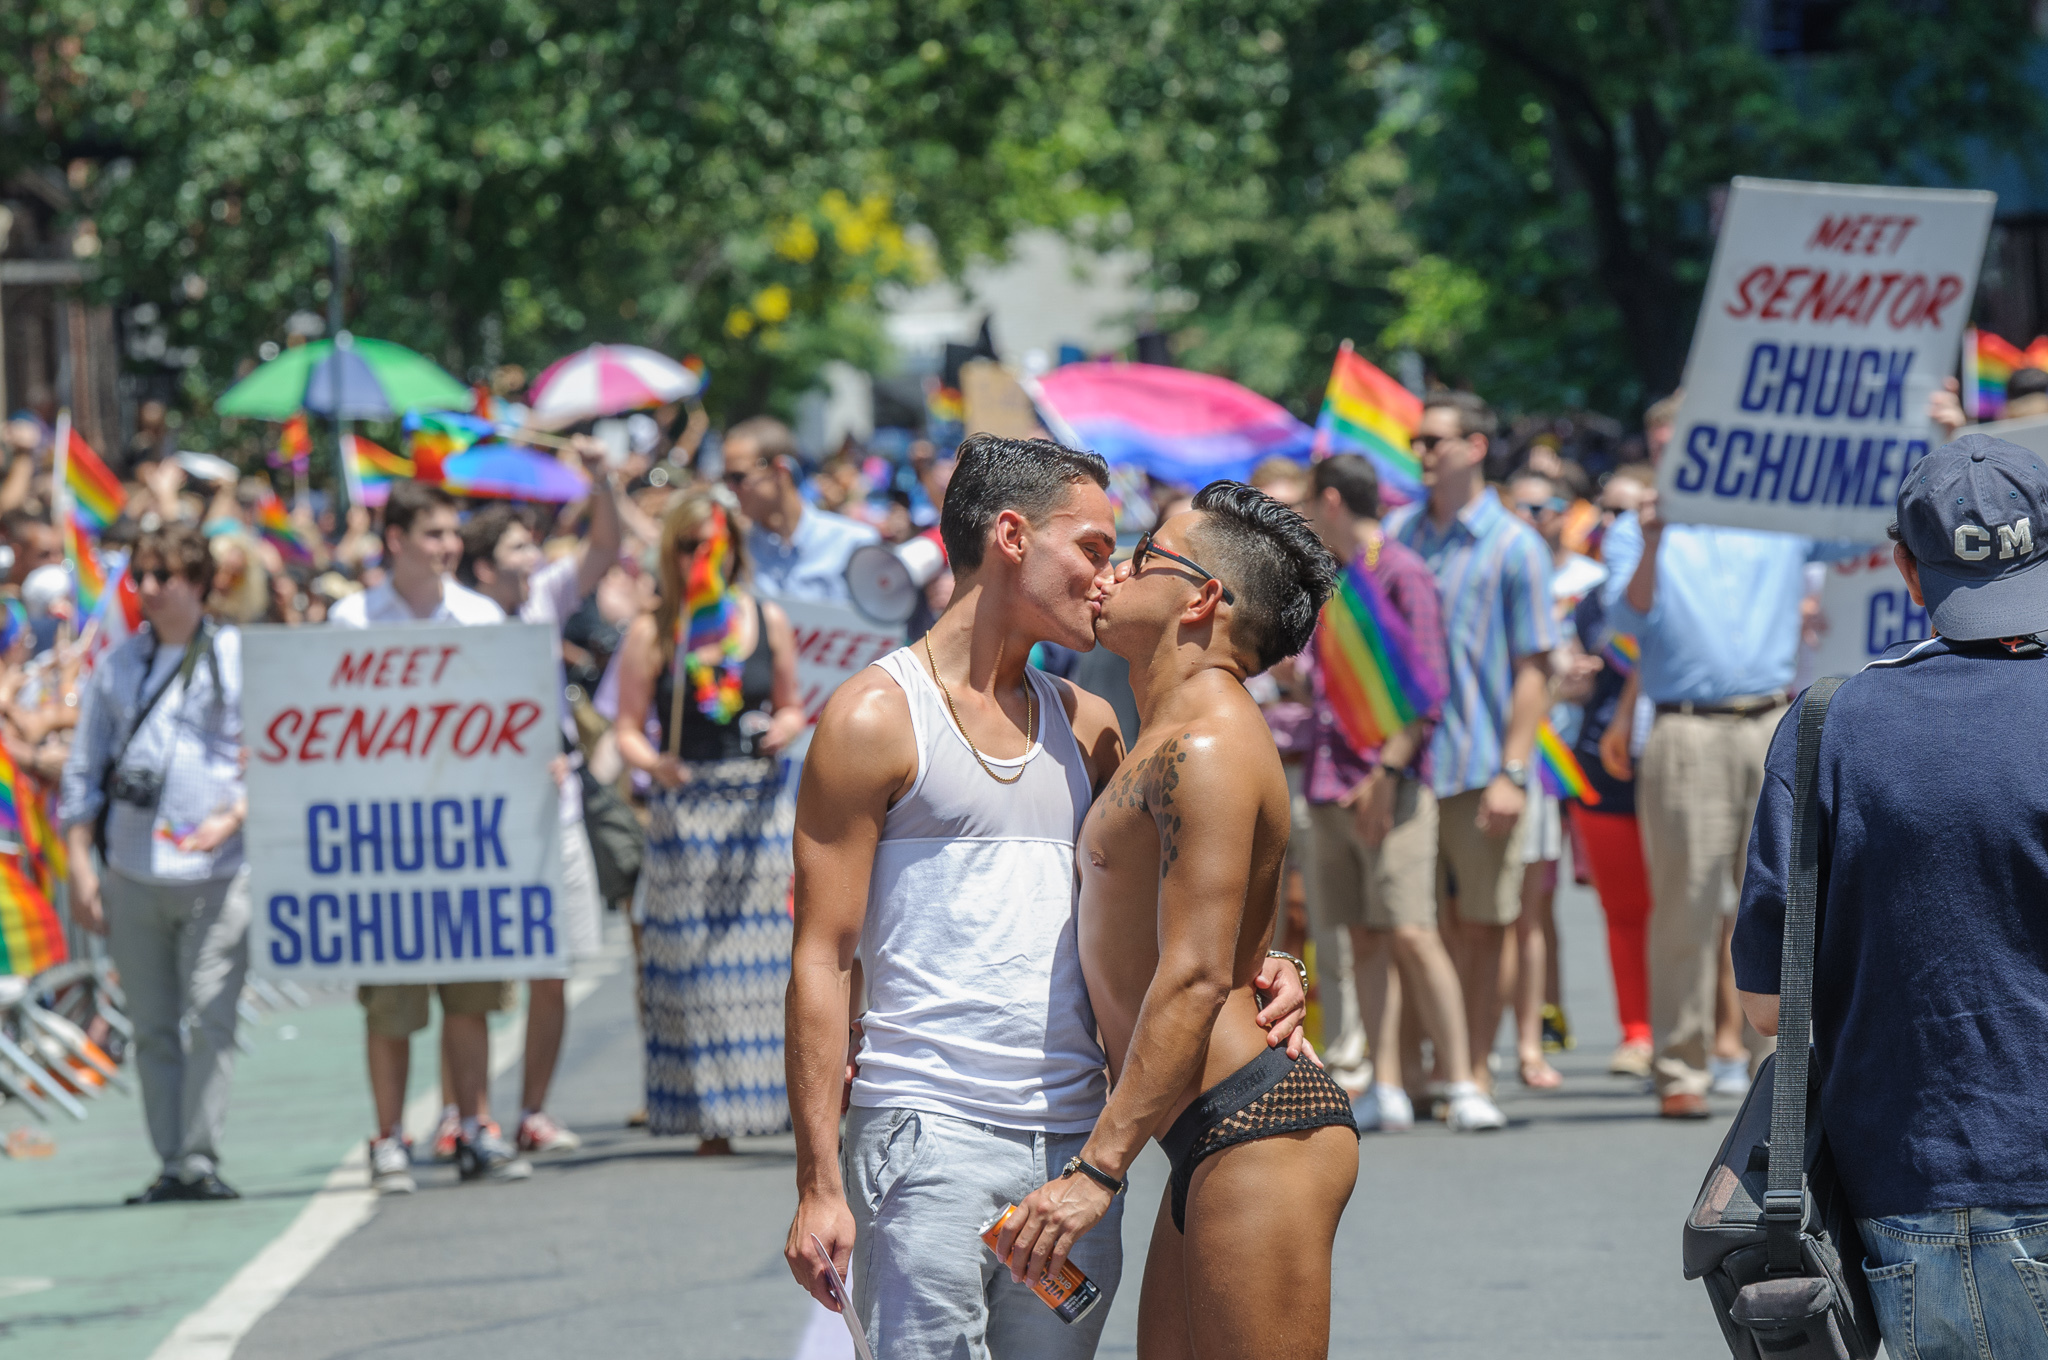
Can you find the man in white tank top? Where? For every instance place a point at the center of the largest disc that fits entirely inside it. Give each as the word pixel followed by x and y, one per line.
pixel 935 840
pixel 1180 882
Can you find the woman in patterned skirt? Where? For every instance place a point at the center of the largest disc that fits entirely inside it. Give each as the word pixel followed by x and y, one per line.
pixel 715 670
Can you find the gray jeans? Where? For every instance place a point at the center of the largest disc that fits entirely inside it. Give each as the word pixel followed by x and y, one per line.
pixel 922 1187
pixel 182 949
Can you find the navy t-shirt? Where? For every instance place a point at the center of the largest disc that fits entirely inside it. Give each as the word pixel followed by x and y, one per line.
pixel 1930 996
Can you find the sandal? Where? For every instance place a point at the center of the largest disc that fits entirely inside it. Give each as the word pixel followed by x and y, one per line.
pixel 1539 1075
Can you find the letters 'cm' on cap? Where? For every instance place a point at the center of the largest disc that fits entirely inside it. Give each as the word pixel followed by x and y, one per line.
pixel 1974 514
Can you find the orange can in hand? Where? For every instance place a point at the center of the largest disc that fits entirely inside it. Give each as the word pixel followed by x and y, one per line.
pixel 1070 1294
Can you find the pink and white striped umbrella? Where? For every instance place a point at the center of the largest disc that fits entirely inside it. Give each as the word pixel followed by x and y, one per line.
pixel 605 380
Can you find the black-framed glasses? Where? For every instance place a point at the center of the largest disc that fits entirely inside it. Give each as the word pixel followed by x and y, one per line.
pixel 163 576
pixel 1147 548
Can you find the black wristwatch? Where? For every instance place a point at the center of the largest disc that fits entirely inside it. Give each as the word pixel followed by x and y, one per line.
pixel 1096 1174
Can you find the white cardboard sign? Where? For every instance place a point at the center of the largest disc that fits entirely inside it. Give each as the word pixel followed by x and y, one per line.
pixel 402 821
pixel 1831 312
pixel 1868 610
pixel 834 642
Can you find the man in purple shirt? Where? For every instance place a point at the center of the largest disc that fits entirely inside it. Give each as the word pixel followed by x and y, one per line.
pixel 1375 825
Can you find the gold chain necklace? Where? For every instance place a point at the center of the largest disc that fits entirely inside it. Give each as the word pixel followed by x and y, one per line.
pixel 1030 718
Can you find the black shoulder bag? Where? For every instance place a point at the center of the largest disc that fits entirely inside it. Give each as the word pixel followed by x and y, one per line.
pixel 1771 1233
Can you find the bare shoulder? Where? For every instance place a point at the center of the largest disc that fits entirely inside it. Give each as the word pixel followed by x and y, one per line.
pixel 1096 729
pixel 864 735
pixel 1213 765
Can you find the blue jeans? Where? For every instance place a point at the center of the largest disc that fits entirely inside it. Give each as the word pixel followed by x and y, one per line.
pixel 1961 1284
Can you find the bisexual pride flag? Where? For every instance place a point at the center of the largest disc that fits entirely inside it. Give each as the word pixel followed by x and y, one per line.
pixel 1178 425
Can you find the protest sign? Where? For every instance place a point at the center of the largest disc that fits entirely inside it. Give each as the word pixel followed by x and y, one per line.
pixel 1868 610
pixel 1831 313
pixel 833 643
pixel 402 821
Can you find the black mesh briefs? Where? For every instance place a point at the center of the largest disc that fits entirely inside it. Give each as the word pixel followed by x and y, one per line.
pixel 1272 1094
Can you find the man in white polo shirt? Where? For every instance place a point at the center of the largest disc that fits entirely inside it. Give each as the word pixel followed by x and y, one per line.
pixel 422 545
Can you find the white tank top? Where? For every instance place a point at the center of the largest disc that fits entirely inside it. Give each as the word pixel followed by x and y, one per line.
pixel 976 1003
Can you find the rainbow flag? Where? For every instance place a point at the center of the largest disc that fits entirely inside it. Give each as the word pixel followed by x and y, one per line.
pixel 295 441
pixel 25 820
pixel 31 938
pixel 275 524
pixel 1988 364
pixel 1365 411
pixel 1367 654
pixel 374 462
pixel 86 568
pixel 1559 769
pixel 1623 653
pixel 435 435
pixel 13 623
pixel 96 493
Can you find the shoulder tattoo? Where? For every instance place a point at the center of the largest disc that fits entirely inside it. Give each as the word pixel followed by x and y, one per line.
pixel 1149 784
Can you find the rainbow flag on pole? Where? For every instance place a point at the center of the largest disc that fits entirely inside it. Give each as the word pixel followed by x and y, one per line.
pixel 1559 769
pixel 1365 411
pixel 96 494
pixel 1367 655
pixel 86 568
pixel 274 522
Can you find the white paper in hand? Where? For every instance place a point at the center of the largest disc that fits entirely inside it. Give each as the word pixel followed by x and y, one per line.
pixel 842 1296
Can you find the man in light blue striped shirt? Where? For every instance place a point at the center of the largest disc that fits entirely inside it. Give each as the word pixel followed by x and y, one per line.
pixel 1494 574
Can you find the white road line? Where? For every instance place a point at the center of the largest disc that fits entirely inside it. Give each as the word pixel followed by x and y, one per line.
pixel 343 1204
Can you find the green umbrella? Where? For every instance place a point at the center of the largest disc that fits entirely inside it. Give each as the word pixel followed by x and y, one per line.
pixel 346 378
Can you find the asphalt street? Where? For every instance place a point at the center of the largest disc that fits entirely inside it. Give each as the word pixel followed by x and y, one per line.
pixel 1556 1238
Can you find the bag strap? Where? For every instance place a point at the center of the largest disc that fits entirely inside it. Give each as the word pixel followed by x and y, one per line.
pixel 1785 1183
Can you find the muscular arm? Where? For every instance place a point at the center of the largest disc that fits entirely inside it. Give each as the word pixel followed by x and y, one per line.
pixel 1206 810
pixel 861 758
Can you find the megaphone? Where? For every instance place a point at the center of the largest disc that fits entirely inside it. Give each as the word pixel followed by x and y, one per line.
pixel 885 582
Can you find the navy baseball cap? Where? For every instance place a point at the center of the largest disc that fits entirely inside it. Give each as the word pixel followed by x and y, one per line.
pixel 1974 514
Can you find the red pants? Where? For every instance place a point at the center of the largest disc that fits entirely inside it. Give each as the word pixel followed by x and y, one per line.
pixel 1614 852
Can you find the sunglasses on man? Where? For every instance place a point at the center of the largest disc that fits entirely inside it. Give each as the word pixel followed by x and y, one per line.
pixel 1147 548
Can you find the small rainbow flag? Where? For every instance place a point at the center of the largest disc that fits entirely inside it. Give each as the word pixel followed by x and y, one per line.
pixel 1623 653
pixel 274 522
pixel 1367 655
pixel 1365 411
pixel 96 493
pixel 1988 364
pixel 374 462
pixel 1559 769
pixel 86 568
pixel 434 435
pixel 295 441
pixel 13 623
pixel 25 820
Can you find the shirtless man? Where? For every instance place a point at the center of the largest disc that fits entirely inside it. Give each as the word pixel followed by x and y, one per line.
pixel 935 834
pixel 1180 863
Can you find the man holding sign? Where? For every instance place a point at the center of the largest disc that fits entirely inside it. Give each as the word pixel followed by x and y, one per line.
pixel 423 539
pixel 1832 316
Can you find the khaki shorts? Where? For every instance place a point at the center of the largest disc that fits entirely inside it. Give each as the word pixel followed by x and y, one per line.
pixel 1394 885
pixel 1487 870
pixel 398 1010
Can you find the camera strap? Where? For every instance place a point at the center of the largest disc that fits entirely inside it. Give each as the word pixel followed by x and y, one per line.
pixel 200 644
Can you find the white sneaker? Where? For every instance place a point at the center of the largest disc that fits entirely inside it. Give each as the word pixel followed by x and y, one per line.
pixel 1731 1076
pixel 391 1167
pixel 538 1132
pixel 1385 1108
pixel 1470 1110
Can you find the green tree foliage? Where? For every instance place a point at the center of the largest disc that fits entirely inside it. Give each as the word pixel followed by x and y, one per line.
pixel 1571 165
pixel 516 177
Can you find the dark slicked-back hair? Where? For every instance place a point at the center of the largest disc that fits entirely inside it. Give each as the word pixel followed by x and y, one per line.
pixel 409 500
pixel 1030 476
pixel 1273 563
pixel 1357 482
